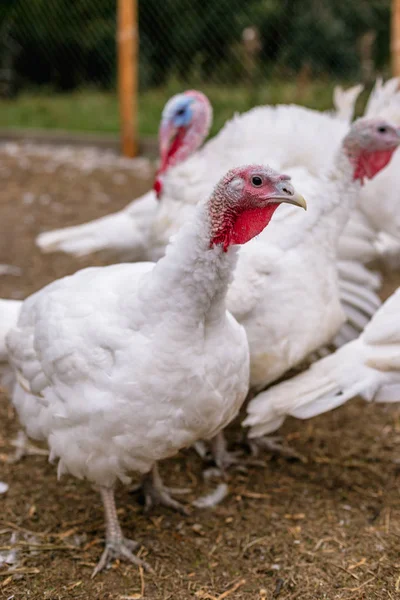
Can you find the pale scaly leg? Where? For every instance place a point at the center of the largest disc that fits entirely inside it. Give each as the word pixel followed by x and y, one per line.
pixel 225 459
pixel 156 493
pixel 117 546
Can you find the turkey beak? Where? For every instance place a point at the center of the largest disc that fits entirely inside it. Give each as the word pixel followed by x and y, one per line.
pixel 287 194
pixel 297 199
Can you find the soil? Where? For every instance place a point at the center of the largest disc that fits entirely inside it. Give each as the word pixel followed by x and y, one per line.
pixel 326 525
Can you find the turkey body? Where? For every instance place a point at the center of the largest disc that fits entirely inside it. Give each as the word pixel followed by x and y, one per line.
pixel 114 386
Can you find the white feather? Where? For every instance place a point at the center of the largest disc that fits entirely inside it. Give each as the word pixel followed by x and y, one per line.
pixel 344 101
pixel 9 313
pixel 368 366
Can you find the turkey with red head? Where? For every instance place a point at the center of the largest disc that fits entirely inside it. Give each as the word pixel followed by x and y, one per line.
pixel 119 367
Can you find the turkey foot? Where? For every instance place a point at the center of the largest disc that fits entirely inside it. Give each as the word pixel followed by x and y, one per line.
pixel 117 546
pixel 221 455
pixel 155 493
pixel 274 444
pixel 23 447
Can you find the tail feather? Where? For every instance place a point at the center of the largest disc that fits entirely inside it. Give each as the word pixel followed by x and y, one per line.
pixel 384 100
pixel 388 248
pixel 356 319
pixel 327 384
pixel 301 396
pixel 344 101
pixel 355 272
pixel 388 393
pixel 342 338
pixel 358 298
pixel 363 298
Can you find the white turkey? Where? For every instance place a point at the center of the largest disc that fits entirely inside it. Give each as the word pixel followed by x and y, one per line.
pixel 185 123
pixel 368 366
pixel 119 367
pixel 286 291
pixel 373 231
pixel 283 341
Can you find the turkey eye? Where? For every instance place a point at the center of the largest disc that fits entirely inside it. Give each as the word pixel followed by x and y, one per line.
pixel 256 181
pixel 382 129
pixel 180 112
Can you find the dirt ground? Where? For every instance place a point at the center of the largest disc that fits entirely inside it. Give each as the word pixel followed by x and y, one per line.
pixel 326 526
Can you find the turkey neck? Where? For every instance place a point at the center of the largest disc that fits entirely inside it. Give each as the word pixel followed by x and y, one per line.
pixel 192 279
pixel 340 193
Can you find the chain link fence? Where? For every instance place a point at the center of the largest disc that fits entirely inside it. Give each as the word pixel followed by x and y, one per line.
pixel 63 45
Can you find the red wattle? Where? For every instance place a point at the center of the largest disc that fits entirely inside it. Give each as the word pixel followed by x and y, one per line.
pixel 167 159
pixel 173 148
pixel 157 187
pixel 251 222
pixel 247 225
pixel 370 163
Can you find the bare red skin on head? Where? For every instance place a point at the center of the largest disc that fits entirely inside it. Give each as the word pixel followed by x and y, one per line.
pixel 244 226
pixel 368 164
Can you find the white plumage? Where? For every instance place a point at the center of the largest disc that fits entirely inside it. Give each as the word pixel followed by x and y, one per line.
pixel 344 101
pixel 119 367
pixel 9 312
pixel 296 140
pixel 368 366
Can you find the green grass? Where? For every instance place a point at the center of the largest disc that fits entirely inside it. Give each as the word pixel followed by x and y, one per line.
pixel 97 111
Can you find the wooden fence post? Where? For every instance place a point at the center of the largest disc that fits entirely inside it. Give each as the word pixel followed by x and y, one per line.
pixel 395 41
pixel 127 47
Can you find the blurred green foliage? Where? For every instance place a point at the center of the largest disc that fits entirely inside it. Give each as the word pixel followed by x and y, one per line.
pixel 70 43
pixel 94 110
